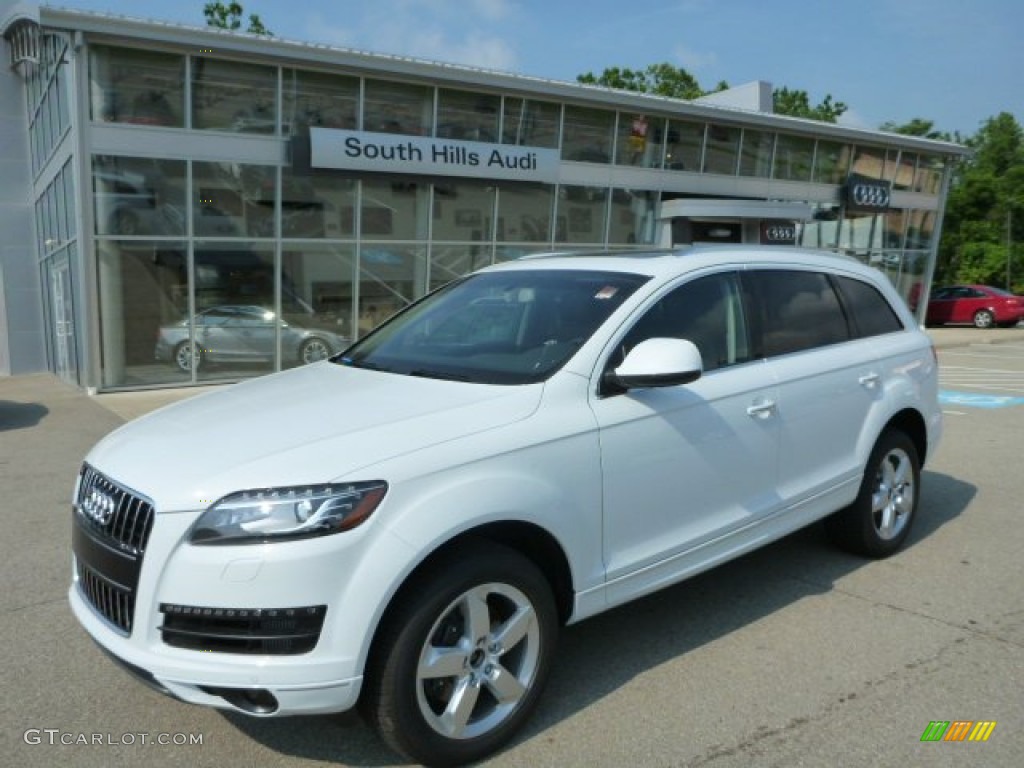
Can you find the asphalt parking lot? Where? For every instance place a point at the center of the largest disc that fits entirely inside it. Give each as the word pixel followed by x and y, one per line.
pixel 797 655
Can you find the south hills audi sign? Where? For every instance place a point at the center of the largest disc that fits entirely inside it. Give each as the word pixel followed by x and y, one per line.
pixel 390 153
pixel 867 195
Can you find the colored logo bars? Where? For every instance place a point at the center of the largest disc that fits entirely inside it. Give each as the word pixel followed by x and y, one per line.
pixel 958 730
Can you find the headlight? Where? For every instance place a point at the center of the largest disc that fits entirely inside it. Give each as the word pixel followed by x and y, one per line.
pixel 287 513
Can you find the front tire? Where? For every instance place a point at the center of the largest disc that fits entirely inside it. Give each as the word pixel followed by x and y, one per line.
pixel 984 319
pixel 461 660
pixel 879 520
pixel 187 355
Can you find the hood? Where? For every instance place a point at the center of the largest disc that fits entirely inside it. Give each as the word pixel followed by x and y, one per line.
pixel 311 425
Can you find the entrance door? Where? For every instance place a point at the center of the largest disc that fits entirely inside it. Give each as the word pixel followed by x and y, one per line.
pixel 63 330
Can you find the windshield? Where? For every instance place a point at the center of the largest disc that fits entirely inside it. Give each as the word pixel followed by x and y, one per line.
pixel 515 327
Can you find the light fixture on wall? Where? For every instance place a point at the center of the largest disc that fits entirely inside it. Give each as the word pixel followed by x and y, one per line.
pixel 719 232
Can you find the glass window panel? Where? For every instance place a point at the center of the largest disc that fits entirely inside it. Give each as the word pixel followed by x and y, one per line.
pixel 587 135
pixel 794 156
pixel 394 209
pixel 530 123
pixel 524 213
pixel 581 214
pixel 391 276
pixel 639 140
pixel 398 108
pixel 449 261
pixel 756 154
pixel 905 171
pixel 71 198
pixel 134 86
pixel 463 211
pixel 723 145
pixel 143 289
pixel 870 162
pixel 895 223
pixel 139 196
pixel 920 228
pixel 467 116
pixel 684 143
pixel 62 98
pixel 831 162
pixel 233 200
pixel 236 323
pixel 929 174
pixel 631 217
pixel 62 211
pixel 318 99
pixel 233 96
pixel 316 301
pixel 317 205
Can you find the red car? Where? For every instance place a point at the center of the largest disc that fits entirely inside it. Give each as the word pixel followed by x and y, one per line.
pixel 982 305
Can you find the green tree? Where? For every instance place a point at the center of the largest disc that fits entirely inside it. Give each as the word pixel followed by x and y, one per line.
pixel 797 103
pixel 229 16
pixel 918 126
pixel 984 219
pixel 661 79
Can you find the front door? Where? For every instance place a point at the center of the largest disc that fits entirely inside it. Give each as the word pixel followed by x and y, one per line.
pixel 686 465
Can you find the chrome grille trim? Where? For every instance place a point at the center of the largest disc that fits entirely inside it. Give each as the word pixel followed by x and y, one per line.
pixel 132 519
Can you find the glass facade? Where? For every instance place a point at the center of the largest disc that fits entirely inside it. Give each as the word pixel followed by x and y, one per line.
pixel 217 269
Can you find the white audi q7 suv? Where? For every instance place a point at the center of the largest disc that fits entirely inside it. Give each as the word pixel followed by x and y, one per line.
pixel 405 526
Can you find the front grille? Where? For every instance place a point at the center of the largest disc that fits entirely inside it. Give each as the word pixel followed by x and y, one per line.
pixel 110 529
pixel 266 631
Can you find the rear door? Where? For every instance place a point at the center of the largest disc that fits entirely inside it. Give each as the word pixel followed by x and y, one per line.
pixel 828 379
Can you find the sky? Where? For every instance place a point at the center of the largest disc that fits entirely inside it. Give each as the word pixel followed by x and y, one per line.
pixel 953 62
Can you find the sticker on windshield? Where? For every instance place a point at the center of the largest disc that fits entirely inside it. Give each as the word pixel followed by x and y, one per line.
pixel 607 292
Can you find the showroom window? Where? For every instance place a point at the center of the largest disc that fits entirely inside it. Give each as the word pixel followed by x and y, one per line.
pixel 581 215
pixel 318 99
pixel 390 107
pixel 638 140
pixel 139 197
pixel 756 153
pixel 723 144
pixel 316 301
pixel 684 146
pixel 233 200
pixel 135 86
pixel 794 156
pixel 524 213
pixel 631 217
pixel 468 116
pixel 317 205
pixel 831 162
pixel 527 122
pixel 587 135
pixel 233 96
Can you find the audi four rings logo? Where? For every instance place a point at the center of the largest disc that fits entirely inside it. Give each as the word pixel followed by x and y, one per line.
pixel 779 232
pixel 98 507
pixel 871 195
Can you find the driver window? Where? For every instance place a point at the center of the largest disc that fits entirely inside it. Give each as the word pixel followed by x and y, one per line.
pixel 707 311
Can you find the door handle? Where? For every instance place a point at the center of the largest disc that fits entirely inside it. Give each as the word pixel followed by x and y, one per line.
pixel 761 410
pixel 869 380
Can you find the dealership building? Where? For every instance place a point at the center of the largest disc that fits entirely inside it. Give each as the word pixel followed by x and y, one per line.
pixel 184 205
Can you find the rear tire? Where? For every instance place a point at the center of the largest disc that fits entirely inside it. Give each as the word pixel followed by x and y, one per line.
pixel 984 319
pixel 879 520
pixel 460 661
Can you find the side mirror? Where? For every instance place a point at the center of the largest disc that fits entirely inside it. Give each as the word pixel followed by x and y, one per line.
pixel 660 363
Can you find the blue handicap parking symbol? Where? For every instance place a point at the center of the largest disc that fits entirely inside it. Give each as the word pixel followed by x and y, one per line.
pixel 977 400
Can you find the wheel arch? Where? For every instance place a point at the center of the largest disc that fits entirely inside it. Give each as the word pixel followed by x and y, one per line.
pixel 529 540
pixel 912 424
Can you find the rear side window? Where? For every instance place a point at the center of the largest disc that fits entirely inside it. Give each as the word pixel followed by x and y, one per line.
pixel 872 313
pixel 796 310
